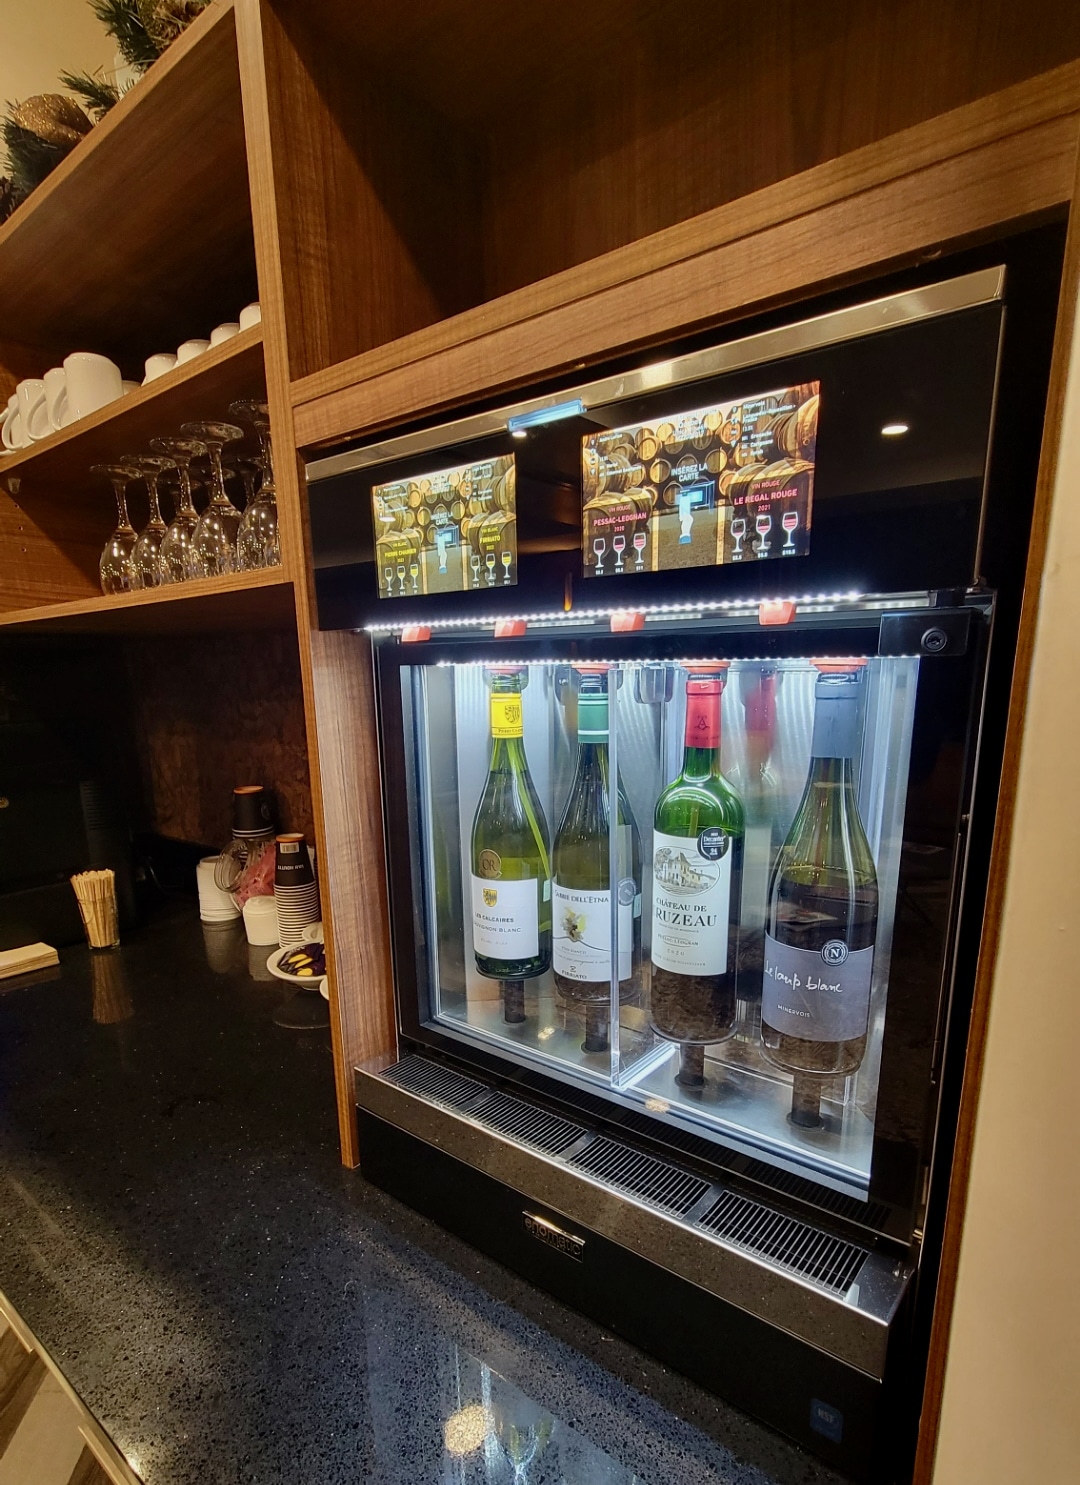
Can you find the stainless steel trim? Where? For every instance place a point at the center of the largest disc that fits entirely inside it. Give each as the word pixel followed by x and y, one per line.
pixel 853 1329
pixel 965 292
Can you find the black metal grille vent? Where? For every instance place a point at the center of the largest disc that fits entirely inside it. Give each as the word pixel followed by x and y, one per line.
pixel 869 1213
pixel 527 1124
pixel 433 1080
pixel 651 1180
pixel 828 1261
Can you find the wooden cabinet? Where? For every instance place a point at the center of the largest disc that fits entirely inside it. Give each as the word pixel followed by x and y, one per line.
pixel 441 202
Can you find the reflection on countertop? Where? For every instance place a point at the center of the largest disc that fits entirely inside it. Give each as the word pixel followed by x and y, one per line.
pixel 233 1306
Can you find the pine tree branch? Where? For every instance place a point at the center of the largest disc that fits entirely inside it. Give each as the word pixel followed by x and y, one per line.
pixel 97 95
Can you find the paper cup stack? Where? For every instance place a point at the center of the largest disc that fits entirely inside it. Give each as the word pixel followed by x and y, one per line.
pixel 215 906
pixel 295 889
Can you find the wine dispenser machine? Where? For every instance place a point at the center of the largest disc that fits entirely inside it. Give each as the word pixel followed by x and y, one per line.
pixel 691 683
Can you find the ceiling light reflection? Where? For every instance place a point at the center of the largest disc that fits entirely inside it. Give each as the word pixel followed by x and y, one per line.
pixel 466 1429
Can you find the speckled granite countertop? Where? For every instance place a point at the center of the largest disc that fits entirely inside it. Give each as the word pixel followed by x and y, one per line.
pixel 237 1309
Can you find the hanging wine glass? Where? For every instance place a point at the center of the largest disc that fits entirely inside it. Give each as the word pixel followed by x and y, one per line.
pixel 245 471
pixel 258 544
pixel 213 549
pixel 176 547
pixel 144 567
pixel 116 553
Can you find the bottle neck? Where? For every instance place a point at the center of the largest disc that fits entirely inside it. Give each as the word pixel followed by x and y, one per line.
pixel 701 758
pixel 836 726
pixel 507 730
pixel 832 771
pixel 507 753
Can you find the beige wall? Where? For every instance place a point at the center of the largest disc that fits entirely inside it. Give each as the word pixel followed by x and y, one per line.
pixel 40 38
pixel 1011 1407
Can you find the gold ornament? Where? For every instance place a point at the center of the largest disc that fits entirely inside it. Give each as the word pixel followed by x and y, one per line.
pixel 53 118
pixel 165 20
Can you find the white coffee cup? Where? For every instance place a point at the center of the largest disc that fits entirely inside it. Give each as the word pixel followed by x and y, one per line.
pixel 190 349
pixel 11 434
pixel 158 365
pixel 55 384
pixel 129 386
pixel 31 396
pixel 93 381
pixel 221 333
pixel 251 314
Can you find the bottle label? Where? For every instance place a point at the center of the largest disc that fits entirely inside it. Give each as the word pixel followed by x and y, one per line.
pixel 820 995
pixel 506 716
pixel 691 902
pixel 506 918
pixel 581 932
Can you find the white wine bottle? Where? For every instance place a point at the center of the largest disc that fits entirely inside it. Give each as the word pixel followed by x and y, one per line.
pixel 822 915
pixel 581 864
pixel 697 878
pixel 511 870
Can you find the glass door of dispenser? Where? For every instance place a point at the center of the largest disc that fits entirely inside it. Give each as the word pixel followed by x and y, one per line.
pixel 714 891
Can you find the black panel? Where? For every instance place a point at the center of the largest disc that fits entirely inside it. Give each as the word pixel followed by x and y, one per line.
pixel 760 1369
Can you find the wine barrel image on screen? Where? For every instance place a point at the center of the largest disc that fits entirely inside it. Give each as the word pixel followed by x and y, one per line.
pixel 822 914
pixel 511 873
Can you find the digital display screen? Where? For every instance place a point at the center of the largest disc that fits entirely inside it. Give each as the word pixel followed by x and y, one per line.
pixel 729 483
pixel 447 531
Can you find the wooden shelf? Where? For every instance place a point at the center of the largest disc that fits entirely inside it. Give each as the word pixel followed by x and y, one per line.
pixel 248 600
pixel 433 160
pixel 202 388
pixel 57 514
pixel 141 238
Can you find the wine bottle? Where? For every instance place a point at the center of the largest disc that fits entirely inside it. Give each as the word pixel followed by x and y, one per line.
pixel 511 871
pixel 581 864
pixel 822 914
pixel 697 878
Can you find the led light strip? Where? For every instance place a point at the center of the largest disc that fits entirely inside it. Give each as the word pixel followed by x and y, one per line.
pixel 815 603
pixel 697 662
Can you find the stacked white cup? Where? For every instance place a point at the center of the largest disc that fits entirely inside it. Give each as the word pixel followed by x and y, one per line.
pixel 215 906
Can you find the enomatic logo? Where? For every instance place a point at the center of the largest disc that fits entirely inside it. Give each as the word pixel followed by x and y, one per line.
pixel 835 951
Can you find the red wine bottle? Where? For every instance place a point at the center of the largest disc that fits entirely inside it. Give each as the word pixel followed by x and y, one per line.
pixel 697 877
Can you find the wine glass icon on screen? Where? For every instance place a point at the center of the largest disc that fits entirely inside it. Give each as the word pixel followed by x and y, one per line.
pixel 414 573
pixel 489 562
pixel 599 547
pixel 686 517
pixel 738 531
pixel 763 525
pixel 618 546
pixel 506 558
pixel 474 563
pixel 790 521
pixel 389 574
pixel 401 577
pixel 640 538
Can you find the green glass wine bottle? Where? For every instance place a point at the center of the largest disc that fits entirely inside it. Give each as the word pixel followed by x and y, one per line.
pixel 511 861
pixel 822 915
pixel 581 880
pixel 697 881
